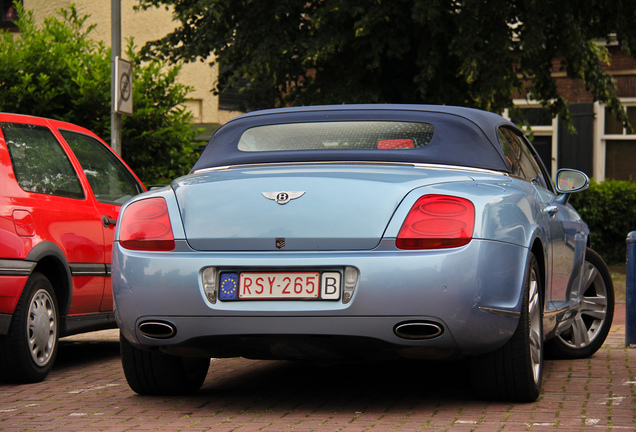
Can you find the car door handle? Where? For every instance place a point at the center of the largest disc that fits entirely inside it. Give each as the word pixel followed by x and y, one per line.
pixel 551 210
pixel 108 221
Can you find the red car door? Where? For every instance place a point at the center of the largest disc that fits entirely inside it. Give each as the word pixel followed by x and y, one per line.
pixel 111 183
pixel 54 207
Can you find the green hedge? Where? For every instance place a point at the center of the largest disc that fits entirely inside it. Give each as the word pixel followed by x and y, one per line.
pixel 609 209
pixel 57 69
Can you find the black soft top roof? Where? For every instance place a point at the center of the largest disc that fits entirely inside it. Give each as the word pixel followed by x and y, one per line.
pixel 463 136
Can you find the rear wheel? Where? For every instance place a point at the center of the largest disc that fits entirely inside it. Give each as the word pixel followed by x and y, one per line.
pixel 28 350
pixel 156 373
pixel 514 371
pixel 584 333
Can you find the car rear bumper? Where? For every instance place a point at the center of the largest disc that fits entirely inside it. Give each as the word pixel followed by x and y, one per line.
pixel 472 294
pixel 10 291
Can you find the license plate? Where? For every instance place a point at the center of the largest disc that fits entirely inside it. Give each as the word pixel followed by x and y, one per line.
pixel 282 285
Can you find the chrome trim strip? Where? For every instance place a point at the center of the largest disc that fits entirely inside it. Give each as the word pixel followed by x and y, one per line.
pixel 461 168
pixel 408 164
pixel 25 268
pixel 16 267
pixel 87 269
pixel 503 312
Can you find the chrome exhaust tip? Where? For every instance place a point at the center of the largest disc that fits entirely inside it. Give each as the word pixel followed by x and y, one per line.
pixel 418 330
pixel 157 329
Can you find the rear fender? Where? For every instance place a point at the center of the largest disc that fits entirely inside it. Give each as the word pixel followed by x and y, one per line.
pixel 503 212
pixel 51 262
pixel 167 193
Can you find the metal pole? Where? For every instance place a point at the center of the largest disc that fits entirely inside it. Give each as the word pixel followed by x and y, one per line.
pixel 115 52
pixel 630 292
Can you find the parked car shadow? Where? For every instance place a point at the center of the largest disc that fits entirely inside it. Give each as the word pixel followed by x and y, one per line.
pixel 340 384
pixel 86 349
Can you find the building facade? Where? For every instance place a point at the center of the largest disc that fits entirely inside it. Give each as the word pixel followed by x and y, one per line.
pixel 142 26
pixel 601 146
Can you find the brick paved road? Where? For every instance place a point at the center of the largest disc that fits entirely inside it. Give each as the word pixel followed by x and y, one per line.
pixel 87 392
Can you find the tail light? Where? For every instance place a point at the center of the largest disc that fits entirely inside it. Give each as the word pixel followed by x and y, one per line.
pixel 145 225
pixel 437 221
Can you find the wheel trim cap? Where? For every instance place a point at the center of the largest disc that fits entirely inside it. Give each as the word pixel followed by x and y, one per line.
pixel 41 328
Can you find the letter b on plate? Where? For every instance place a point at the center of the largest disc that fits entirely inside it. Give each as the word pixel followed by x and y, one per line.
pixel 330 286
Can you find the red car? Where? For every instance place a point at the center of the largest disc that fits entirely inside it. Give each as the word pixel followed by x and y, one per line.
pixel 61 188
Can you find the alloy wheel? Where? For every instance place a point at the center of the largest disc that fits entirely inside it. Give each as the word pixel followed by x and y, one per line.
pixel 534 315
pixel 584 327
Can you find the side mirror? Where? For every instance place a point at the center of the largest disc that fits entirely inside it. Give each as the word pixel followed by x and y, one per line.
pixel 569 181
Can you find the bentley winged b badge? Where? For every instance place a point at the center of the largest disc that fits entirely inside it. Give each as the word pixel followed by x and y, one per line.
pixel 283 197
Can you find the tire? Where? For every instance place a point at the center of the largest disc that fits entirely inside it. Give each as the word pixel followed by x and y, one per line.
pixel 28 350
pixel 514 371
pixel 582 335
pixel 155 373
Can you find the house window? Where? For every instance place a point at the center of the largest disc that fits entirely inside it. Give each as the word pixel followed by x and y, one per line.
pixel 543 128
pixel 620 147
pixel 535 116
pixel 614 127
pixel 8 14
pixel 620 160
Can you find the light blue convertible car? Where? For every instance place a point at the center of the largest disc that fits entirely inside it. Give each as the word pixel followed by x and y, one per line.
pixel 354 233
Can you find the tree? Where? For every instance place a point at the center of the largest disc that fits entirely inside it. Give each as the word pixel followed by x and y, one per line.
pixel 58 71
pixel 473 53
pixel 158 140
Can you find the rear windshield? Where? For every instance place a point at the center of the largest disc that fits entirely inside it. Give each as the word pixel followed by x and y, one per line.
pixel 343 135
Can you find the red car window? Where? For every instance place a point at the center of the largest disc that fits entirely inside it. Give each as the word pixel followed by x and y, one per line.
pixel 110 180
pixel 39 162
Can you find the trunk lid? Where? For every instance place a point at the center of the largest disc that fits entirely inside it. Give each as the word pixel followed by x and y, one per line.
pixel 297 207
